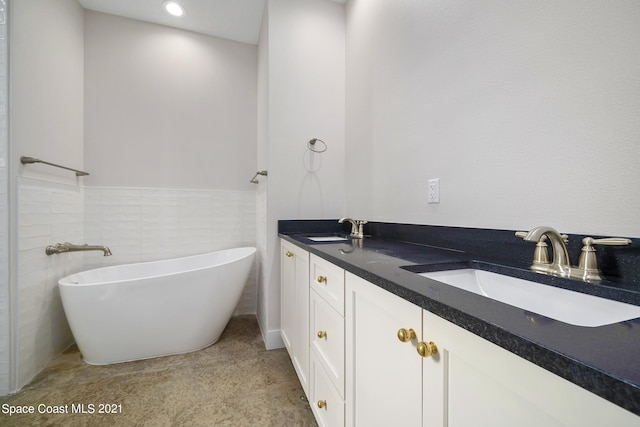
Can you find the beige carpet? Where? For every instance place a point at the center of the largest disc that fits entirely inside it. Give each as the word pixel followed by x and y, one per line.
pixel 234 382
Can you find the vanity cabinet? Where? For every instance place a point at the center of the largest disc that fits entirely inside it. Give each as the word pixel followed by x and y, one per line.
pixel 294 316
pixel 384 374
pixel 468 381
pixel 355 349
pixel 327 342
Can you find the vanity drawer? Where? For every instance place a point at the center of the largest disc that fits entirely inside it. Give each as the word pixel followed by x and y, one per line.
pixel 328 281
pixel 327 339
pixel 326 404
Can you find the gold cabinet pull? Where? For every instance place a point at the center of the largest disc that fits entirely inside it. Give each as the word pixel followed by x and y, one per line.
pixel 289 254
pixel 322 404
pixel 322 334
pixel 322 279
pixel 427 349
pixel 406 335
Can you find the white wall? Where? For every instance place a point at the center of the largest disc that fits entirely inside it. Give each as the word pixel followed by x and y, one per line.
pixel 200 198
pixel 5 337
pixel 167 108
pixel 262 310
pixel 170 142
pixel 48 212
pixel 46 86
pixel 46 121
pixel 305 97
pixel 526 111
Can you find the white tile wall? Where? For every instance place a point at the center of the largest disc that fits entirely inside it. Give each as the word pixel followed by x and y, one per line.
pixel 47 213
pixel 138 224
pixel 4 210
pixel 146 224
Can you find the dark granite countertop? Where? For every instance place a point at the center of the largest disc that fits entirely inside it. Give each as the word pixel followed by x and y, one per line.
pixel 604 360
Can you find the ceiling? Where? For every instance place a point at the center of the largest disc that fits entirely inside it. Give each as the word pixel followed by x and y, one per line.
pixel 237 20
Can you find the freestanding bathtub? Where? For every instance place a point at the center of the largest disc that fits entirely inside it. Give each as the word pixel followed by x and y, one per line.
pixel 150 309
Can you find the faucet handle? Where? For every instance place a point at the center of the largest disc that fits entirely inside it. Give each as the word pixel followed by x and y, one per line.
pixel 541 254
pixel 523 234
pixel 360 233
pixel 609 241
pixel 588 264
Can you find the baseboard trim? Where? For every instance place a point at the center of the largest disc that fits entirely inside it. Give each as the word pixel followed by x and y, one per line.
pixel 272 339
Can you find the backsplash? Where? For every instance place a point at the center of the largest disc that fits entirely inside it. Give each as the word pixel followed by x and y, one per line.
pixel 620 265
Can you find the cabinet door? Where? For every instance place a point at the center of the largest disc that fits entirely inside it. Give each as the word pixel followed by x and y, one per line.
pixel 486 385
pixel 288 296
pixel 384 374
pixel 295 308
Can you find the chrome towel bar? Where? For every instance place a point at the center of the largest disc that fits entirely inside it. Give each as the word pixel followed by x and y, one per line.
pixel 28 160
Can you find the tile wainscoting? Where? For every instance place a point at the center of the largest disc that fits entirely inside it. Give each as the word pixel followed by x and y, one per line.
pixel 146 224
pixel 138 224
pixel 47 213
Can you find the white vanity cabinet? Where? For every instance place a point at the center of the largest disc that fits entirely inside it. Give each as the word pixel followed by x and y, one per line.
pixel 294 317
pixel 355 348
pixel 469 381
pixel 384 374
pixel 327 342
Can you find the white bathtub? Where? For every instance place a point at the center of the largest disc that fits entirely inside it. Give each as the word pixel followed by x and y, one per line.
pixel 150 309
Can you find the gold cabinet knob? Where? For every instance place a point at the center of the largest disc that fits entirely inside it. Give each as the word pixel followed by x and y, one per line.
pixel 322 279
pixel 322 334
pixel 427 349
pixel 289 254
pixel 322 404
pixel 406 335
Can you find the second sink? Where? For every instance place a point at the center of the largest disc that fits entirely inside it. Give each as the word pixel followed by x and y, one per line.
pixel 560 304
pixel 326 238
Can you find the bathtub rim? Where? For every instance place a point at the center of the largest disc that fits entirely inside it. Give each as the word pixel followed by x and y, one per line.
pixel 250 250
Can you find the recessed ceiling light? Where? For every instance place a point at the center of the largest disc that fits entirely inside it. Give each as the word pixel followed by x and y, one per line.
pixel 173 8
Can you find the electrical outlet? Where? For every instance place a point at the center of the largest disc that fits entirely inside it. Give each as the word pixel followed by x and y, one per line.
pixel 433 191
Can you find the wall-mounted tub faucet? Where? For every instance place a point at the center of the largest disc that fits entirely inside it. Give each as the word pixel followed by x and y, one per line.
pixel 59 248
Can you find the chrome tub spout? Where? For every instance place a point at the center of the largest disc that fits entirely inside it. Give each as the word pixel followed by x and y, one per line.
pixel 59 248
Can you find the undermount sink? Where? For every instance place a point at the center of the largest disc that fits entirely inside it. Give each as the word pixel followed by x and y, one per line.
pixel 560 304
pixel 326 238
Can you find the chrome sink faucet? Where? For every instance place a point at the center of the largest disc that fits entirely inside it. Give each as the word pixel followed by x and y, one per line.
pixel 587 269
pixel 59 248
pixel 356 227
pixel 561 264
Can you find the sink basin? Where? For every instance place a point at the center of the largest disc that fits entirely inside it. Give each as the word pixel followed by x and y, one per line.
pixel 326 238
pixel 560 304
